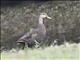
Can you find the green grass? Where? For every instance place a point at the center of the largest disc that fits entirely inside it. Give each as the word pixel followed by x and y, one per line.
pixel 70 52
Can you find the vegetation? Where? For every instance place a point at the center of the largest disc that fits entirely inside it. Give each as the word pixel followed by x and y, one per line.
pixel 70 52
pixel 18 19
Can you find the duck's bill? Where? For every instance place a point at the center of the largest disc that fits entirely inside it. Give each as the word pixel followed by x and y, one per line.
pixel 49 17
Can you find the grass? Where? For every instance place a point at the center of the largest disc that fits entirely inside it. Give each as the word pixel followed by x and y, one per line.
pixel 70 52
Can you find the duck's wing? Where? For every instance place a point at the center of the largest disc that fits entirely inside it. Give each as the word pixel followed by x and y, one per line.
pixel 31 34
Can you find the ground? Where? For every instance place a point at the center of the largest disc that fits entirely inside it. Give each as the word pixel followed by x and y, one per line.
pixel 63 52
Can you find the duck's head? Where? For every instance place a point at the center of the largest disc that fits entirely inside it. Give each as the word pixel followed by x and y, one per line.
pixel 44 15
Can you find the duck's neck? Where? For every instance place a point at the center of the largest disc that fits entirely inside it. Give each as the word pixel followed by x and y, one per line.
pixel 41 20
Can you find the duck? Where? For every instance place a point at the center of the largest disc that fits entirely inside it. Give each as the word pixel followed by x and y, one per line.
pixel 35 35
